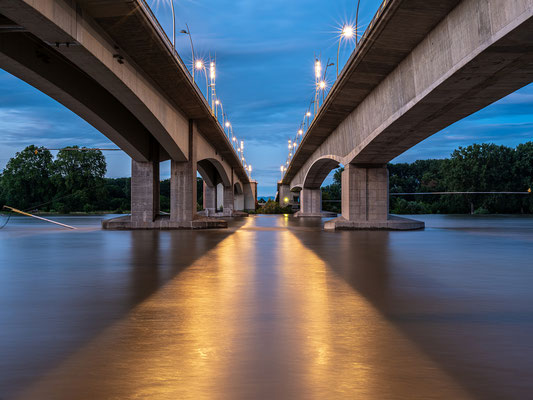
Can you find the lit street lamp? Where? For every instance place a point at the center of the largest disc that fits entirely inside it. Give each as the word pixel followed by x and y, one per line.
pixel 347 33
pixel 199 65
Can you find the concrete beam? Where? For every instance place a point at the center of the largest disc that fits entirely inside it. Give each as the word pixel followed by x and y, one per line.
pixel 479 52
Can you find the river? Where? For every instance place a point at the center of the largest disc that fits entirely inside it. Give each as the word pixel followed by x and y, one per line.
pixel 271 308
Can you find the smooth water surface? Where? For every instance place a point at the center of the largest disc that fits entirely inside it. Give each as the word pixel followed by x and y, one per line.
pixel 272 308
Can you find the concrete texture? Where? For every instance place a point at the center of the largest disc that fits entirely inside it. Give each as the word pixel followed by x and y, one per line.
pixel 310 203
pixel 250 195
pixel 210 195
pixel 228 201
pixel 365 193
pixel 144 192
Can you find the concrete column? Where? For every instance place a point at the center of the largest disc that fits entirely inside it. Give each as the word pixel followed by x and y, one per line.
pixel 228 200
pixel 183 185
pixel 239 202
pixel 365 201
pixel 250 195
pixel 182 192
pixel 284 193
pixel 210 198
pixel 365 193
pixel 144 191
pixel 310 202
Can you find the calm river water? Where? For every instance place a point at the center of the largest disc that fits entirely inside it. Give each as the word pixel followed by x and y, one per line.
pixel 272 308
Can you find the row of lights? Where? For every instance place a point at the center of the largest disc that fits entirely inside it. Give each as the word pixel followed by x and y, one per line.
pixel 348 33
pixel 200 65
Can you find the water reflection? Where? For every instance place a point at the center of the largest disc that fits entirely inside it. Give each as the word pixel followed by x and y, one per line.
pixel 272 308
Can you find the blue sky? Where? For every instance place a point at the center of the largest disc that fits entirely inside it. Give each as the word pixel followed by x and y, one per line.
pixel 265 52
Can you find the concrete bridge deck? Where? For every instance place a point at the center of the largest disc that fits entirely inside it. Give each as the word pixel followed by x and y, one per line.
pixel 111 63
pixel 421 66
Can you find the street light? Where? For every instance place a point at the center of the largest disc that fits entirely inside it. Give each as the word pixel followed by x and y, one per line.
pixel 188 32
pixel 212 75
pixel 347 32
pixel 200 65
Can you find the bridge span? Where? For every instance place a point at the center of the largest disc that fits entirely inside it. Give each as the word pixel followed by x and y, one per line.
pixel 420 66
pixel 111 63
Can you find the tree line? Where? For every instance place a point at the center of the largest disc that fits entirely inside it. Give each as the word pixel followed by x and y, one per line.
pixel 476 168
pixel 73 181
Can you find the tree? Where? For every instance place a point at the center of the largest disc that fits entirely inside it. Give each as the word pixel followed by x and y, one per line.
pixel 78 176
pixel 480 168
pixel 25 182
pixel 523 172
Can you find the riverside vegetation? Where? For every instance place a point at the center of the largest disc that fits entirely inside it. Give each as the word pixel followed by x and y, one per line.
pixel 74 181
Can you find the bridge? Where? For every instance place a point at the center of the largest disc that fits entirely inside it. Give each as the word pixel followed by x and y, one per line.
pixel 420 66
pixel 111 63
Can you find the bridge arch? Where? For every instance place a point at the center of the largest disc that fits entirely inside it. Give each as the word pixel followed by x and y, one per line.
pixel 319 170
pixel 237 188
pixel 213 172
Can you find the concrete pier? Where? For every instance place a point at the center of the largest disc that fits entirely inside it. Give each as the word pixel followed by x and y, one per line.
pixel 365 201
pixel 144 193
pixel 311 204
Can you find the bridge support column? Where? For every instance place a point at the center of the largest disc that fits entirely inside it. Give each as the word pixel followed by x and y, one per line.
pixel 210 199
pixel 228 201
pixel 365 201
pixel 285 195
pixel 182 192
pixel 310 203
pixel 144 193
pixel 250 195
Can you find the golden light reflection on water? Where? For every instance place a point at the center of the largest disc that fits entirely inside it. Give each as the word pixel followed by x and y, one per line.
pixel 258 316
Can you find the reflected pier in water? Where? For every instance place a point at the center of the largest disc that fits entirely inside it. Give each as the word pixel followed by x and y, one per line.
pixel 274 307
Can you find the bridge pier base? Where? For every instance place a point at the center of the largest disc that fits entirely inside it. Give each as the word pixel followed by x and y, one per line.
pixel 365 201
pixel 311 204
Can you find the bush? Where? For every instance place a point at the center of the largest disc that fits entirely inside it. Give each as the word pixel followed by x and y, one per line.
pixel 403 206
pixel 272 207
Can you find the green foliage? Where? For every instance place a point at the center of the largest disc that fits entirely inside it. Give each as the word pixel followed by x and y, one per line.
pixel 273 207
pixel 26 180
pixel 78 177
pixel 476 168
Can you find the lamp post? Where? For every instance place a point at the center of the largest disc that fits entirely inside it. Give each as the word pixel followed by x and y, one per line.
pixel 227 125
pixel 173 26
pixel 188 32
pixel 357 22
pixel 347 33
pixel 212 75
pixel 199 65
pixel 318 74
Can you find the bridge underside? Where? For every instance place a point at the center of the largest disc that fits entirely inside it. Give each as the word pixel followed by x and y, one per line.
pixel 112 65
pixel 473 54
